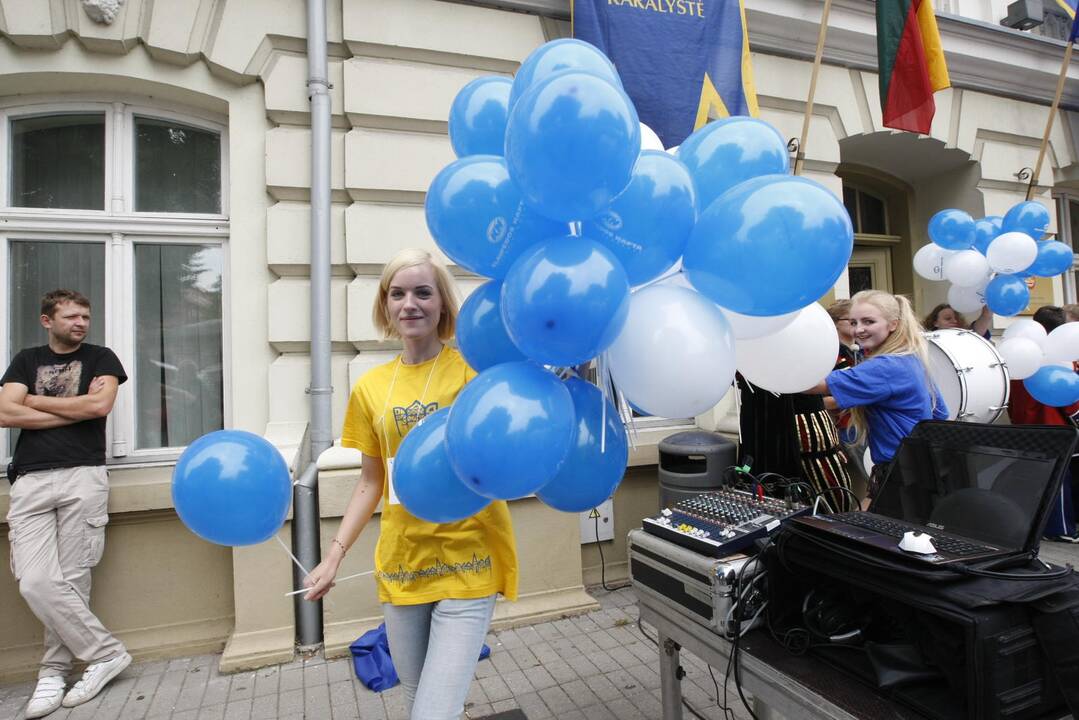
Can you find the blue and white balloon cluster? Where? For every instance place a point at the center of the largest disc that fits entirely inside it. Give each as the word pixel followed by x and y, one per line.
pixel 987 261
pixel 1043 361
pixel 554 200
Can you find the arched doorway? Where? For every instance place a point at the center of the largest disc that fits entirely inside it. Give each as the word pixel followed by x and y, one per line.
pixel 892 184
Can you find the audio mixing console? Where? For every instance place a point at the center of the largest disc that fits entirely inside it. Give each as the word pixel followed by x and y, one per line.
pixel 721 523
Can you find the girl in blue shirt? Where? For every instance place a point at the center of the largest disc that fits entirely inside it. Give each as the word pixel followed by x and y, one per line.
pixel 890 391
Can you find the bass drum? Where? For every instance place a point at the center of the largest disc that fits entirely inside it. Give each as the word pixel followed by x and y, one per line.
pixel 970 373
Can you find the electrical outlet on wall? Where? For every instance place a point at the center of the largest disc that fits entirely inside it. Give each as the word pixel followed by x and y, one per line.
pixel 604 514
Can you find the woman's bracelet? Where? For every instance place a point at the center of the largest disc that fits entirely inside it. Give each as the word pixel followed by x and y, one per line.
pixel 344 550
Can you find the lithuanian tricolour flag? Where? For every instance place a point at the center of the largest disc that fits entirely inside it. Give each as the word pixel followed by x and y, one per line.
pixel 911 63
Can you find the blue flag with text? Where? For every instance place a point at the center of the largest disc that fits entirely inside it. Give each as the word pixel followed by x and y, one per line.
pixel 682 62
pixel 1069 7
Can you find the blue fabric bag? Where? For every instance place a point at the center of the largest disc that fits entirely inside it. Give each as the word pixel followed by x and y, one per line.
pixel 371 660
pixel 373 664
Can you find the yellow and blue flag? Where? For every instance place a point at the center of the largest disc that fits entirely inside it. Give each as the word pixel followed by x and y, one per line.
pixel 1069 6
pixel 682 62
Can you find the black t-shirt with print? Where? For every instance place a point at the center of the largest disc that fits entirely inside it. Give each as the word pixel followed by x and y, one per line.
pixel 48 373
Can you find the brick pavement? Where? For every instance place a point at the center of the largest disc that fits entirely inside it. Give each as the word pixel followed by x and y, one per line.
pixel 596 666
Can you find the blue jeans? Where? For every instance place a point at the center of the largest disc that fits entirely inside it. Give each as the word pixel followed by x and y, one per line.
pixel 435 648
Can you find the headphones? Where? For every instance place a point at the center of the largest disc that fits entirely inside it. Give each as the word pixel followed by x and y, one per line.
pixel 832 618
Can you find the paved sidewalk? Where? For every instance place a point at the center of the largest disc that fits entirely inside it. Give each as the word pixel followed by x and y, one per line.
pixel 596 666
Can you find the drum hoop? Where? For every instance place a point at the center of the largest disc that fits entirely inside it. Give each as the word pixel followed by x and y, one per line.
pixel 964 393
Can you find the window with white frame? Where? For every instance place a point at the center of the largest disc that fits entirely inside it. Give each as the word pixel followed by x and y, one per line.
pixel 125 204
pixel 1068 233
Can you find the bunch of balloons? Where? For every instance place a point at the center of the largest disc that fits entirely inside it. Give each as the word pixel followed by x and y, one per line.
pixel 1043 361
pixel 571 208
pixel 988 262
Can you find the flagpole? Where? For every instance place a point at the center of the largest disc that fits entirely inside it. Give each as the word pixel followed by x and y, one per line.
pixel 800 157
pixel 1049 121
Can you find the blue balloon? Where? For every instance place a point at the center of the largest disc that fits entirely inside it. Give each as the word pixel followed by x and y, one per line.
pixel 424 480
pixel 952 229
pixel 475 214
pixel 478 117
pixel 1028 217
pixel 557 56
pixel 565 301
pixel 571 144
pixel 1054 385
pixel 648 225
pixel 1007 295
pixel 232 487
pixel 597 461
pixel 510 430
pixel 726 152
pixel 985 231
pixel 785 228
pixel 1054 257
pixel 481 334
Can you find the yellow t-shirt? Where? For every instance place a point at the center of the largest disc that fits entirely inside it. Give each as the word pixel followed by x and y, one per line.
pixel 416 561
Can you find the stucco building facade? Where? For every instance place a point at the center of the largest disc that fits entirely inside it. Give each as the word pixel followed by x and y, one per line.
pixel 91 91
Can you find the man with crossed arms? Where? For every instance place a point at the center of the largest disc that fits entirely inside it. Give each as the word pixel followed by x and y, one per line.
pixel 59 395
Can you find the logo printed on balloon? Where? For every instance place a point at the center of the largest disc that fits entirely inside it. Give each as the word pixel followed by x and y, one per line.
pixel 508 235
pixel 611 220
pixel 496 231
pixel 608 226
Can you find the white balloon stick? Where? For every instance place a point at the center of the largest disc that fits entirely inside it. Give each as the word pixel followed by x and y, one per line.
pixel 347 577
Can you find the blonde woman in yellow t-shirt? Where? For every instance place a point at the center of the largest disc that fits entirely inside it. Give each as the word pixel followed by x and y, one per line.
pixel 437 582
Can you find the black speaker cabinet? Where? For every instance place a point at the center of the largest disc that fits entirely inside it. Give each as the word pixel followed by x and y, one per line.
pixel 915 643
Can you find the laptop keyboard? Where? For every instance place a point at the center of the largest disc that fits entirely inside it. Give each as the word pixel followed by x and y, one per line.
pixel 884 526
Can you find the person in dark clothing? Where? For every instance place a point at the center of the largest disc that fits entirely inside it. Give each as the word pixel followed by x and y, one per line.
pixel 59 395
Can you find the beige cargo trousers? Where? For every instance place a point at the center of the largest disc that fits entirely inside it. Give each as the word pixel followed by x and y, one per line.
pixel 56 524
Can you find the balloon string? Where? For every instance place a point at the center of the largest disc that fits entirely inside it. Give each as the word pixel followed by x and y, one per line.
pixel 285 548
pixel 603 414
pixel 347 577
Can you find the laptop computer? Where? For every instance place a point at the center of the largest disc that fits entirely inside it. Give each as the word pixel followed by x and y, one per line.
pixel 978 491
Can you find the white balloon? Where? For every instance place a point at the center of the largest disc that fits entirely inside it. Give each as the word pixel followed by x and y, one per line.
pixel 747 327
pixel 966 268
pixel 673 150
pixel 649 139
pixel 675 354
pixel 1030 329
pixel 929 261
pixel 794 359
pixel 1062 345
pixel 1011 252
pixel 966 300
pixel 1022 356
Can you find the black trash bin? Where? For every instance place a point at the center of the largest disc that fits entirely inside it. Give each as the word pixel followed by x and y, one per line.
pixel 691 463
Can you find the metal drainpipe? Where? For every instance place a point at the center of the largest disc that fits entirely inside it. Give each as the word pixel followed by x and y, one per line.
pixel 305 505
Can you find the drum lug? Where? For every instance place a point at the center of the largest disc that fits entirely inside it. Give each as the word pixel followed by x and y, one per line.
pixel 998 407
pixel 966 369
pixel 963 415
pixel 999 364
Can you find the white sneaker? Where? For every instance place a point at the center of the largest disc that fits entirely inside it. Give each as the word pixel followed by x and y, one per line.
pixel 47 696
pixel 95 678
